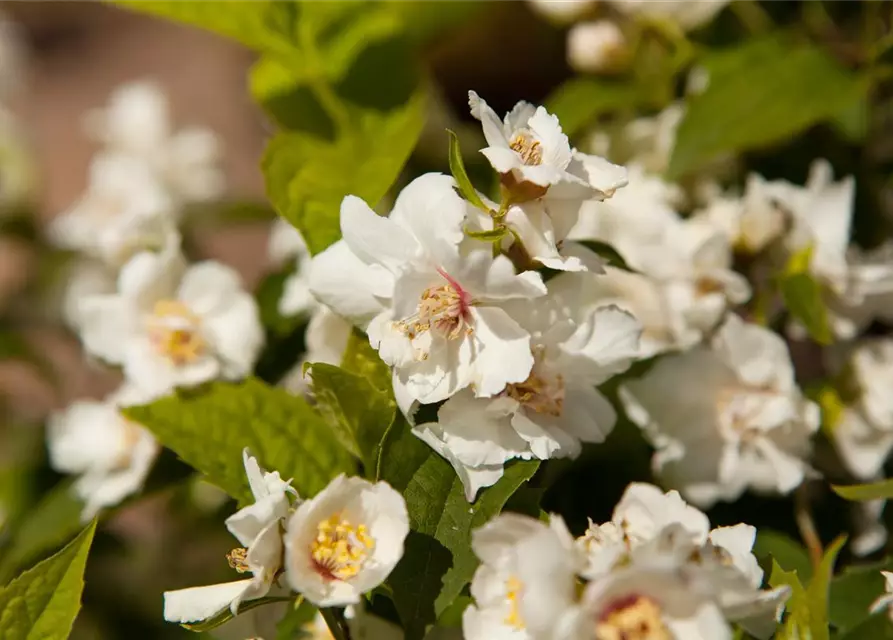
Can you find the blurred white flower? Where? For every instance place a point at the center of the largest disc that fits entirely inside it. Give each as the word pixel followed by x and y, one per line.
pixel 863 436
pixel 345 541
pixel 522 560
pixel 286 244
pixel 534 157
pixel 562 11
pixel 886 600
pixel 688 14
pixel 169 327
pixel 597 47
pixel 726 417
pixel 136 122
pixel 124 210
pixel 557 407
pixel 258 528
pixel 325 340
pixel 111 455
pixel 430 310
pixel 85 278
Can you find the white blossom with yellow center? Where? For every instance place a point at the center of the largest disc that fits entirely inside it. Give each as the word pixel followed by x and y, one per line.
pixel 430 303
pixel 747 427
pixel 169 327
pixel 521 559
pixel 111 455
pixel 345 541
pixel 258 528
pixel 557 406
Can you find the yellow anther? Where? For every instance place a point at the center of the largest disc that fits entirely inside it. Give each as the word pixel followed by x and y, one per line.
pixel 238 559
pixel 174 332
pixel 443 308
pixel 633 618
pixel 542 391
pixel 513 589
pixel 340 548
pixel 528 147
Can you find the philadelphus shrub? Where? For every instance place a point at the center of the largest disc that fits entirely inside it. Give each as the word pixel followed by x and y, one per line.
pixel 455 339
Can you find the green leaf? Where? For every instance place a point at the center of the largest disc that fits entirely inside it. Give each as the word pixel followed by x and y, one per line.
pixel 818 591
pixel 882 490
pixel 42 603
pixel 760 93
pixel 438 561
pixel 457 168
pixel 208 428
pixel 226 615
pixel 876 627
pixel 608 253
pixel 45 528
pixel 356 410
pixel 579 101
pixel 789 554
pixel 853 592
pixel 802 295
pixel 796 623
pixel 248 22
pixel 361 359
pixel 307 177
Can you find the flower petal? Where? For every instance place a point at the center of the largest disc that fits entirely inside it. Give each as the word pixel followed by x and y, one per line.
pixel 200 603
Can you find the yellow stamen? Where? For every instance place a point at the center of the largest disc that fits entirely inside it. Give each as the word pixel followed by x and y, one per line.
pixel 542 392
pixel 340 548
pixel 174 332
pixel 635 618
pixel 513 588
pixel 238 559
pixel 528 147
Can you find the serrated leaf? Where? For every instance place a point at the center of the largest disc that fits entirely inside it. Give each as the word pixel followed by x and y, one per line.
pixel 42 603
pixel 579 101
pixel 46 527
pixel 818 591
pixel 796 623
pixel 457 168
pixel 759 93
pixel 208 428
pixel 438 561
pixel 358 412
pixel 852 594
pixel 789 554
pixel 307 177
pixel 861 492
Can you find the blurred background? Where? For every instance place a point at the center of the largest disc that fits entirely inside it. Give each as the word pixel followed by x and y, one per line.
pixel 67 58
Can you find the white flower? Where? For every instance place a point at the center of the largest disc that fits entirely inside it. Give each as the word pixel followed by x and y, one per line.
pixel 169 328
pixel 85 278
pixel 884 601
pixel 528 146
pixel 111 455
pixel 345 541
pixel 326 340
pixel 430 309
pixel 726 417
pixel 524 561
pixel 869 529
pixel 286 243
pixel 596 47
pixel 688 14
pixel 137 123
pixel 557 407
pixel 863 436
pixel 562 11
pixel 124 210
pixel 258 528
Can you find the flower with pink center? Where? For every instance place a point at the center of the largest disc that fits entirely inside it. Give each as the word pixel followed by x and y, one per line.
pixel 428 297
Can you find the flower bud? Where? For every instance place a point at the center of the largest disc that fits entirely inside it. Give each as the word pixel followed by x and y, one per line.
pixel 597 47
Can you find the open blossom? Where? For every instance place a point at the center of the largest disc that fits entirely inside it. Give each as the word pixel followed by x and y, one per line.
pixel 124 210
pixel 111 455
pixel 686 13
pixel 345 541
pixel 863 436
pixel 726 416
pixel 528 146
pixel 136 123
pixel 557 407
pixel 520 558
pixel 169 327
pixel 430 307
pixel 258 528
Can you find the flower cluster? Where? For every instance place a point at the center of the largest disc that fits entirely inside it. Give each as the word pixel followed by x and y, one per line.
pixel 331 549
pixel 470 324
pixel 133 298
pixel 655 570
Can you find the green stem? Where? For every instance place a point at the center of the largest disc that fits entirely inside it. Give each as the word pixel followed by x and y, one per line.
pixel 334 618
